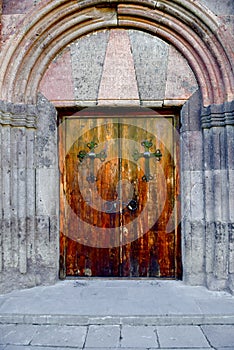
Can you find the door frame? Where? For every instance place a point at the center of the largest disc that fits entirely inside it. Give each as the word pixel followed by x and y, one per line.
pixel 101 112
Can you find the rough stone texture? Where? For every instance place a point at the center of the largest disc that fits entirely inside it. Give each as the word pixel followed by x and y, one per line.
pixel 192 336
pixel 17 334
pixel 118 80
pixel 18 7
pixel 29 215
pixel 207 192
pixel 99 337
pixel 220 336
pixel 17 141
pixel 105 65
pixel 151 69
pixel 47 197
pixel 88 56
pixel 138 336
pixel 180 80
pixel 18 115
pixel 192 187
pixel 181 337
pixel 60 336
pixel 10 25
pixel 0 18
pixel 57 83
pixel 217 123
pixel 225 7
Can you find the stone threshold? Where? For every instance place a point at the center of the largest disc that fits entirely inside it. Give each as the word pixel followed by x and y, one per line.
pixel 76 320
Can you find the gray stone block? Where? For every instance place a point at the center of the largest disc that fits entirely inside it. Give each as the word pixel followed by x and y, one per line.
pixel 181 82
pixel 231 194
pixel 209 229
pixel 138 336
pixel 151 70
pixel 46 245
pixel 19 347
pixel 208 149
pixel 101 337
pixel 46 136
pixel 191 150
pixel 60 336
pixel 18 115
pixel 47 191
pixel 230 146
pixel 88 56
pixel 220 335
pixel 220 250
pixel 6 244
pixel 219 148
pixel 220 195
pixel 231 248
pixel 225 7
pixel 181 337
pixel 17 334
pixel 197 196
pixel 218 115
pixel 194 252
pixel 191 113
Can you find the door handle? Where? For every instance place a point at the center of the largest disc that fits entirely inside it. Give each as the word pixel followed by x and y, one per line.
pixel 114 207
pixel 132 205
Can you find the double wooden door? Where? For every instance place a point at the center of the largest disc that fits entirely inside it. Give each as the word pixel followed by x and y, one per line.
pixel 119 191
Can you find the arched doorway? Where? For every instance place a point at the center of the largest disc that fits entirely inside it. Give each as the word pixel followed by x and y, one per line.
pixel 29 118
pixel 119 193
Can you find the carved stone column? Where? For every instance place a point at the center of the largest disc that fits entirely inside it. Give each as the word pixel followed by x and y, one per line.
pixel 192 193
pixel 218 141
pixel 29 195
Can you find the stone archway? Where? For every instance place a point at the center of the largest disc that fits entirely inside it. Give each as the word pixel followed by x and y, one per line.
pixel 196 33
pixel 192 29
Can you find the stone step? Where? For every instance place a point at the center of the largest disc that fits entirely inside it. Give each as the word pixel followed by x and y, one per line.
pixel 77 320
pixel 117 302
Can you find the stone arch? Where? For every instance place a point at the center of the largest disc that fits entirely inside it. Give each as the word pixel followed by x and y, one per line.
pixel 187 25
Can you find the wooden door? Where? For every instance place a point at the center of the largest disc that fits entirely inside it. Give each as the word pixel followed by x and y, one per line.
pixel 118 197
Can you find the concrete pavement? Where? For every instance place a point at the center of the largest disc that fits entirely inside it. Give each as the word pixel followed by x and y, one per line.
pixel 111 314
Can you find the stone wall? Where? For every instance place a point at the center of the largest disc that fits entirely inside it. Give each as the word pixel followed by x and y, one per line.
pixel 116 66
pixel 29 195
pixel 91 71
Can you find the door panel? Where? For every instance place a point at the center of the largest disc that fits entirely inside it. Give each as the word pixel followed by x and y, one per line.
pixel 84 200
pixel 118 223
pixel 152 254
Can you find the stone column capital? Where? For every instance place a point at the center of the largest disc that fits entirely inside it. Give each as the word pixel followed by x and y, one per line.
pixel 18 115
pixel 217 115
